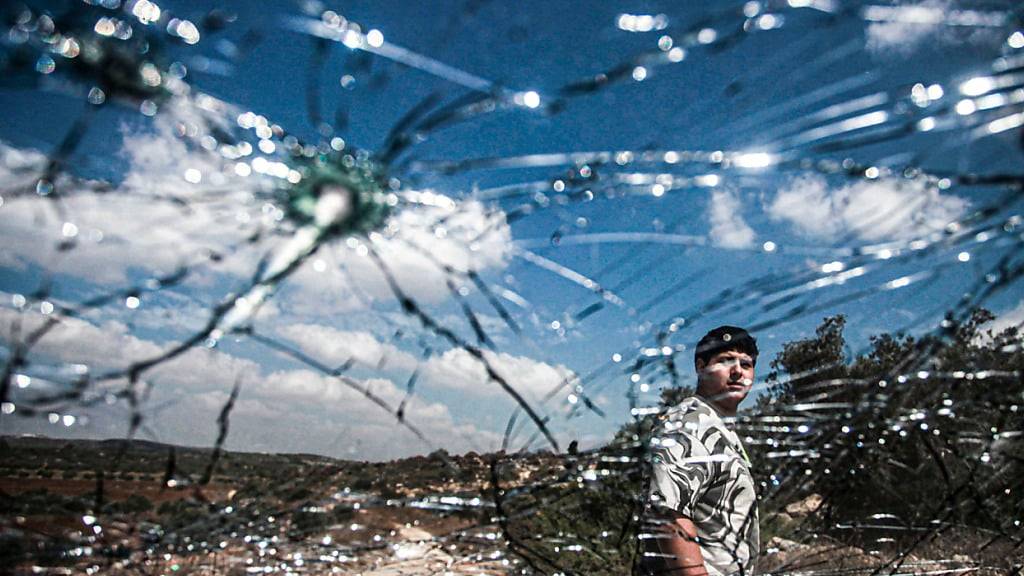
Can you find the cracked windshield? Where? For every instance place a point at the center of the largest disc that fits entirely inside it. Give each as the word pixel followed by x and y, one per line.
pixel 539 287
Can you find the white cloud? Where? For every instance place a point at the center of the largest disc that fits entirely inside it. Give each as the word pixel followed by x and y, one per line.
pixel 135 230
pixel 170 312
pixel 156 221
pixel 310 387
pixel 286 410
pixel 904 27
pixel 159 159
pixel 464 235
pixel 110 346
pixel 74 340
pixel 332 406
pixel 336 347
pixel 1012 317
pixel 22 165
pixel 871 210
pixel 728 228
pixel 415 246
pixel 457 369
pixel 116 233
pixel 494 326
pixel 147 223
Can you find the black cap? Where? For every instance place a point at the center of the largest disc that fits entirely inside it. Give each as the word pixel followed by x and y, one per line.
pixel 724 339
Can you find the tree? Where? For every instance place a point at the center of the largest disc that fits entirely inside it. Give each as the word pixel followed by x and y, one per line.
pixel 814 365
pixel 919 429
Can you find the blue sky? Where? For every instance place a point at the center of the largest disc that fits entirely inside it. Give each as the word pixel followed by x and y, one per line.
pixel 736 214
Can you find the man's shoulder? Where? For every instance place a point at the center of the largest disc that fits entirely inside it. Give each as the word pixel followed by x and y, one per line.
pixel 689 407
pixel 690 415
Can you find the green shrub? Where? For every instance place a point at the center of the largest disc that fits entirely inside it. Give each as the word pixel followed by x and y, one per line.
pixel 917 447
pixel 576 527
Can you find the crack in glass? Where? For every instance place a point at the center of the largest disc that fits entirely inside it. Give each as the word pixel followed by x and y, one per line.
pixel 512 262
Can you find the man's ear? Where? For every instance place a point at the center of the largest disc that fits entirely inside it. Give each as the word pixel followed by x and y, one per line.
pixel 700 364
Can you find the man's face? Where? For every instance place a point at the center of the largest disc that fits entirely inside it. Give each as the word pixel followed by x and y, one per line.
pixel 726 378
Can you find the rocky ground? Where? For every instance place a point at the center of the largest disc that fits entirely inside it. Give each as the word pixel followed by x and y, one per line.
pixel 424 515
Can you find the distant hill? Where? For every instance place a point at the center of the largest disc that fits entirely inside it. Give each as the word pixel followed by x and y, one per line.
pixel 46 443
pixel 147 464
pixel 144 460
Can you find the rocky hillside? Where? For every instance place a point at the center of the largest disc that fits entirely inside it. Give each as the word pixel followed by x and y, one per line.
pixel 115 507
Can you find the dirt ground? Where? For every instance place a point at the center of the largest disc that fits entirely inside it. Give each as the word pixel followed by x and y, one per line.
pixel 113 490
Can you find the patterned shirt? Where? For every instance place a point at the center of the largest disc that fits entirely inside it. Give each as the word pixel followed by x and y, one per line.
pixel 700 471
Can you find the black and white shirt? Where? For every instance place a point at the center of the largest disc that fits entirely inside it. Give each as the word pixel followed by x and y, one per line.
pixel 701 471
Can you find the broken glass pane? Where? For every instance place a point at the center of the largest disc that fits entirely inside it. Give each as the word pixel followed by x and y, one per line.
pixel 453 261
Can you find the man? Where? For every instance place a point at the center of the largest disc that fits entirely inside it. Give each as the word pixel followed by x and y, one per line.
pixel 702 510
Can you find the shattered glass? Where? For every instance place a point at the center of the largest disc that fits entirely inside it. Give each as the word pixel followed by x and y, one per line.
pixel 487 237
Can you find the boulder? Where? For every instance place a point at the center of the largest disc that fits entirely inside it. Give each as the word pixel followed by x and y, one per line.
pixel 805 507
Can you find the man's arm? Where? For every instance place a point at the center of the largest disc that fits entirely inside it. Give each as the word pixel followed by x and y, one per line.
pixel 674 549
pixel 680 474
